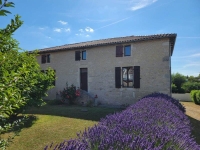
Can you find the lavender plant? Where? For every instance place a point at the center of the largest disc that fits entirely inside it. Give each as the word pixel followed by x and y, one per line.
pixel 168 98
pixel 153 123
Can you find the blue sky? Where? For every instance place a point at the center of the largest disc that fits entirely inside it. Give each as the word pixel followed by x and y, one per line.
pixel 50 23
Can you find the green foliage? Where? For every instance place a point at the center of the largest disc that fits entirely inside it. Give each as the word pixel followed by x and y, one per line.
pixel 7 43
pixel 5 4
pixel 13 126
pixel 22 83
pixel 178 80
pixel 70 93
pixel 174 88
pixel 195 96
pixel 189 86
pixel 194 79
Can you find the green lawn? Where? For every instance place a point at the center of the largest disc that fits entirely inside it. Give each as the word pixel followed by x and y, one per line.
pixel 55 123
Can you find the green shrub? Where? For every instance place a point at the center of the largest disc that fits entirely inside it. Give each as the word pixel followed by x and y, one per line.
pixel 189 86
pixel 174 88
pixel 195 96
pixel 70 93
pixel 178 80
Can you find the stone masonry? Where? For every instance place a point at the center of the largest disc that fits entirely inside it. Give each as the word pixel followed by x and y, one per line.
pixel 153 57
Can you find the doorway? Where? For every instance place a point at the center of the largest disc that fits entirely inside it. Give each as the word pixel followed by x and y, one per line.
pixel 84 79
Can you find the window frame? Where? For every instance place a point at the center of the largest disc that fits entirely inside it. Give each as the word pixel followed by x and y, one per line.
pixel 45 58
pixel 119 77
pixel 128 77
pixel 79 55
pixel 82 55
pixel 48 58
pixel 121 51
pixel 125 50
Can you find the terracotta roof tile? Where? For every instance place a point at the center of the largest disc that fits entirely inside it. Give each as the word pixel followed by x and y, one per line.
pixel 110 41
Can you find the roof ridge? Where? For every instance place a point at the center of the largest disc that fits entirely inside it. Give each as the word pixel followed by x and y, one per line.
pixel 109 41
pixel 120 37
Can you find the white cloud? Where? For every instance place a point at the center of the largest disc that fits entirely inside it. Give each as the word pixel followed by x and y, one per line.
pixel 194 64
pixel 62 29
pixel 67 30
pixel 195 55
pixel 141 4
pixel 82 35
pixel 43 28
pixel 57 29
pixel 88 29
pixel 187 56
pixel 62 22
pixel 81 30
pixel 113 23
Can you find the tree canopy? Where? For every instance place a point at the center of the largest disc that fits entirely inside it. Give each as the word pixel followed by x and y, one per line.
pixel 22 83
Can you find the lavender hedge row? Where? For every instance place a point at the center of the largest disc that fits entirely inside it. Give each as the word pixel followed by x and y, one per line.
pixel 153 123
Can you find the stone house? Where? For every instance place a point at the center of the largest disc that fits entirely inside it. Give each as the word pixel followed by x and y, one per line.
pixel 118 70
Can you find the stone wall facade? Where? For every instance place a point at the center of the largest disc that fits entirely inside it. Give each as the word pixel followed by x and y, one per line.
pixel 153 57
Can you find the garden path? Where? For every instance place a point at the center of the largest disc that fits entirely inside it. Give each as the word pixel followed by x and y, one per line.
pixel 192 110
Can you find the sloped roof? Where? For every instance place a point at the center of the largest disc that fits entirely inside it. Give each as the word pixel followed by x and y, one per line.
pixel 111 41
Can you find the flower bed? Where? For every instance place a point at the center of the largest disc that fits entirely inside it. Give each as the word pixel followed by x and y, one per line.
pixel 154 122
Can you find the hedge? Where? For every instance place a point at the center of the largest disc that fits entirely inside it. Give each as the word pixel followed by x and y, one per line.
pixel 195 96
pixel 153 123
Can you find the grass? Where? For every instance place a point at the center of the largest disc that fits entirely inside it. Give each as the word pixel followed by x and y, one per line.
pixel 55 123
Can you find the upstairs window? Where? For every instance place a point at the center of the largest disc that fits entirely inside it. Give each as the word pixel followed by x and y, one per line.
pixel 48 58
pixel 45 58
pixel 123 50
pixel 127 50
pixel 80 55
pixel 83 55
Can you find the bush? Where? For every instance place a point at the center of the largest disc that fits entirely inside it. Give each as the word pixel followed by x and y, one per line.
pixel 174 88
pixel 178 80
pixel 195 96
pixel 168 98
pixel 70 93
pixel 154 122
pixel 189 86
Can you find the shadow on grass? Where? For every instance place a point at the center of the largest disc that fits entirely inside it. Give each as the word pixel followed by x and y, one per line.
pixel 195 129
pixel 73 111
pixel 20 122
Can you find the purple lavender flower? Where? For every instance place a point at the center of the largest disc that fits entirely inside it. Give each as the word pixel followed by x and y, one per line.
pixel 155 122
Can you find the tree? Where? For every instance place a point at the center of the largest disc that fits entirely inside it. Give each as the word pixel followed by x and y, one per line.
pixel 178 79
pixel 22 83
pixel 5 4
pixel 189 86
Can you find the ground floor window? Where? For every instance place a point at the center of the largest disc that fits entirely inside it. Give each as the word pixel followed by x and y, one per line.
pixel 127 77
